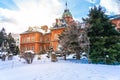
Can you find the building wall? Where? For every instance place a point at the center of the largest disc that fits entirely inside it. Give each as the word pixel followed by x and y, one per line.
pixel 117 23
pixel 37 41
pixel 46 41
pixel 31 41
pixel 54 37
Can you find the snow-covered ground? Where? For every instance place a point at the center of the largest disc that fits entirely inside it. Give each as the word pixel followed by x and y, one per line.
pixel 44 69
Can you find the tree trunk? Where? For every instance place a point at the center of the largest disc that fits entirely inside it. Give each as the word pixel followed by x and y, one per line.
pixel 64 56
pixel 53 57
pixel 88 54
pixel 77 56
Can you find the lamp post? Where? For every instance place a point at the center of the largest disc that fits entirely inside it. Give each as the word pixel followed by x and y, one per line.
pixel 107 56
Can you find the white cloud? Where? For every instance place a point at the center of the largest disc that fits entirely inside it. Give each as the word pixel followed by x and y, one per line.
pixel 112 6
pixel 93 1
pixel 30 13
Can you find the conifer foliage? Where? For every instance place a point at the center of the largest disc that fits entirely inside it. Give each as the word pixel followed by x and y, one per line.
pixel 7 41
pixel 104 39
pixel 2 36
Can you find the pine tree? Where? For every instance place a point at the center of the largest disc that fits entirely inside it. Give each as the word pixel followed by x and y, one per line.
pixel 104 39
pixel 17 51
pixel 11 42
pixel 8 41
pixel 2 36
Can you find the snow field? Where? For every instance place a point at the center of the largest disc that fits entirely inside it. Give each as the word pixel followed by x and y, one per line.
pixel 44 69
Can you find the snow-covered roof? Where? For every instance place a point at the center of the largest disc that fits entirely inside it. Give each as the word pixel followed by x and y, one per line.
pixel 29 51
pixel 36 29
pixel 114 17
pixel 84 53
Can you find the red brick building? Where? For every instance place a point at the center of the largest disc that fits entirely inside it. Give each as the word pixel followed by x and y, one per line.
pixel 116 21
pixel 42 38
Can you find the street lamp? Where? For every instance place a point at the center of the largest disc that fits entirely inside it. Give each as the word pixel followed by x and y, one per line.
pixel 107 56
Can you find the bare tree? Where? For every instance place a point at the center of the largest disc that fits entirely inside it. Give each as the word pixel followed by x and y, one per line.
pixel 84 39
pixel 74 38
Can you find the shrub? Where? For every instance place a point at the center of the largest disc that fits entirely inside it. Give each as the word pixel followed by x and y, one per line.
pixel 28 56
pixel 3 57
pixel 10 56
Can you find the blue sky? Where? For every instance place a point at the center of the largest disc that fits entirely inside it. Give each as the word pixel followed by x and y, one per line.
pixel 17 15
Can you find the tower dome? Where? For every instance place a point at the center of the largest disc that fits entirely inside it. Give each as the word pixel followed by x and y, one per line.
pixel 67 16
pixel 66 13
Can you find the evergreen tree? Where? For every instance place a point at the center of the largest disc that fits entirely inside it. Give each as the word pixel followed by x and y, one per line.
pixel 11 43
pixel 8 41
pixel 17 51
pixel 104 39
pixel 2 36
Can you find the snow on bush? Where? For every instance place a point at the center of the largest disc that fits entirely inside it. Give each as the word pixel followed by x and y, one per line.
pixel 28 56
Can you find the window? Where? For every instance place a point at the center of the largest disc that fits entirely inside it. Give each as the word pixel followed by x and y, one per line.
pixel 25 48
pixel 32 39
pixel 40 48
pixel 40 39
pixel 56 37
pixel 23 40
pixel 28 48
pixel 28 39
pixel 32 48
pixel 47 39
